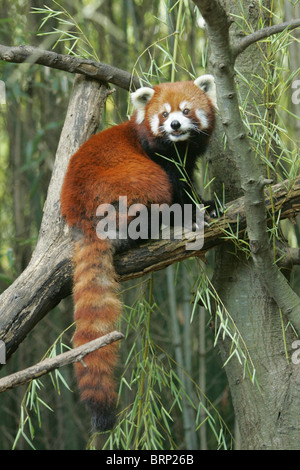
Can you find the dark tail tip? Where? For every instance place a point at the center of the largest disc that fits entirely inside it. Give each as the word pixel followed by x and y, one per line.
pixel 103 416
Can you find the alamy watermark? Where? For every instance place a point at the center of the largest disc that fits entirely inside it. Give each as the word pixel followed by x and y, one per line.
pixel 296 93
pixel 2 353
pixel 296 354
pixel 2 93
pixel 139 222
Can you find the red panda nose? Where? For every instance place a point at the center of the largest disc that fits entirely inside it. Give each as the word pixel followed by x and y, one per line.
pixel 175 125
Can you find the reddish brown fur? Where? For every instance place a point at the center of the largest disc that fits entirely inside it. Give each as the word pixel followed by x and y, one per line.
pixel 97 309
pixel 174 94
pixel 108 165
pixel 111 164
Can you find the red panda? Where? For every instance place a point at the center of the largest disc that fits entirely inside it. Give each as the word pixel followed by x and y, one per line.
pixel 136 159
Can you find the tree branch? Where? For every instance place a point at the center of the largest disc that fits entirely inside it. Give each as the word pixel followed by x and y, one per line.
pixel 41 286
pixel 90 68
pixel 287 256
pixel 263 33
pixel 252 182
pixel 46 366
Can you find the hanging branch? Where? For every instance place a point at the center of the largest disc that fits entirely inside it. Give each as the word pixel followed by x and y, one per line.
pixel 253 183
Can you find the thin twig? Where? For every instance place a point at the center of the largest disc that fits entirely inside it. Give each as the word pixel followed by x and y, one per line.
pixel 42 368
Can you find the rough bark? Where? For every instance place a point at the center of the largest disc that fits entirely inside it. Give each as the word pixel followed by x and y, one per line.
pixel 267 411
pixel 252 181
pixel 294 59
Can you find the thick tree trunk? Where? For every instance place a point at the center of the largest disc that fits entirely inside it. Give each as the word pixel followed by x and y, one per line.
pixel 267 411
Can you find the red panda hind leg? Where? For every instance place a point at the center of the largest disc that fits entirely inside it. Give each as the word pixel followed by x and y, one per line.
pixel 97 310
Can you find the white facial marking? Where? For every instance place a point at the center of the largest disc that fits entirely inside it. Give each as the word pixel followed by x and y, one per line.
pixel 167 107
pixel 185 104
pixel 179 138
pixel 154 124
pixel 202 116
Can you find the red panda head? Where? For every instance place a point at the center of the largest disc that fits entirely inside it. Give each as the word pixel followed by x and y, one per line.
pixel 176 111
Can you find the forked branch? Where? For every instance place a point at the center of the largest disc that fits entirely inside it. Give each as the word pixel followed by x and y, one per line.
pixel 39 289
pixel 109 74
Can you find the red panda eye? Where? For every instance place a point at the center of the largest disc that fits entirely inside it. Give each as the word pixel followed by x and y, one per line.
pixel 165 114
pixel 186 111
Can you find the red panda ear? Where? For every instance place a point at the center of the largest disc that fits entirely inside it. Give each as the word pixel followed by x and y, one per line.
pixel 141 97
pixel 207 84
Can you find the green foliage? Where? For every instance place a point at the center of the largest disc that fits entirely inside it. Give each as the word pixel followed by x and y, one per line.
pixel 30 414
pixel 68 31
pixel 160 387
